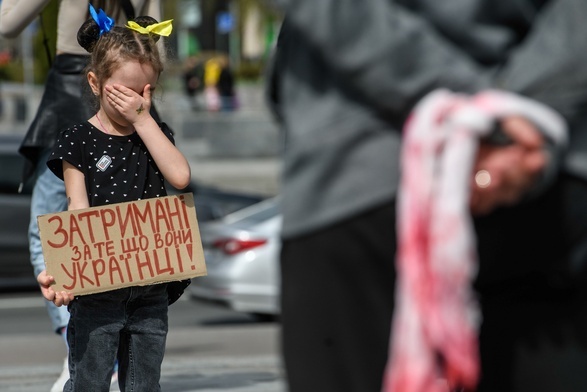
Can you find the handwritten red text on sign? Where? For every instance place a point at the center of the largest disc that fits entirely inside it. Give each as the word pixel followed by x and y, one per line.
pixel 118 245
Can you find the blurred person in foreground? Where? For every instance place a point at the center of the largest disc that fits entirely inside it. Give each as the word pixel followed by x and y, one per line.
pixel 61 106
pixel 345 78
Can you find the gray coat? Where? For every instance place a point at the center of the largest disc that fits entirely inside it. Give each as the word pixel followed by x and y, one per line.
pixel 348 72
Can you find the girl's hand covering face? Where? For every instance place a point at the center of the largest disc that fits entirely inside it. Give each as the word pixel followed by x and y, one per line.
pixel 131 105
pixel 129 90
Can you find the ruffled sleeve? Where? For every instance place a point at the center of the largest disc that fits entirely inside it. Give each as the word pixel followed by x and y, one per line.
pixel 68 148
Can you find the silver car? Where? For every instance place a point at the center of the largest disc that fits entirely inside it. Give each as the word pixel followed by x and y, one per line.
pixel 242 253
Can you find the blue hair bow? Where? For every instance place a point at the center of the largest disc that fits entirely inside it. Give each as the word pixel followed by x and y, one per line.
pixel 104 21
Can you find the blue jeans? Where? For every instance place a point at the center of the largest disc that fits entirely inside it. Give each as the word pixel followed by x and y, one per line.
pixel 129 324
pixel 48 197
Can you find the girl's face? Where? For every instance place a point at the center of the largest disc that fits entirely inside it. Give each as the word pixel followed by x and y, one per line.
pixel 134 76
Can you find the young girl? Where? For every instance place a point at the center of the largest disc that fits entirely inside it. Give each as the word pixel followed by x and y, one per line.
pixel 120 154
pixel 60 107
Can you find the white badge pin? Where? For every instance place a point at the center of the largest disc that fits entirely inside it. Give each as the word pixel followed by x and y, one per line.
pixel 104 162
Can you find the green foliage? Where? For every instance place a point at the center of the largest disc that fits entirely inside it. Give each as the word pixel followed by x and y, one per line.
pixel 12 71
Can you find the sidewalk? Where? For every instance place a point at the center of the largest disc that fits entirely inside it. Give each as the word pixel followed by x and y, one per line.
pixel 193 361
pixel 257 374
pixel 238 150
pixel 258 176
pixel 219 375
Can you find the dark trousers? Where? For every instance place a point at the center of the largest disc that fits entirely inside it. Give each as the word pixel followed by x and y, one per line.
pixel 337 304
pixel 533 293
pixel 128 324
pixel 338 298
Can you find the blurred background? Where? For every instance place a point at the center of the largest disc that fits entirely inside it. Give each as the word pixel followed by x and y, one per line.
pixel 223 331
pixel 244 30
pixel 216 56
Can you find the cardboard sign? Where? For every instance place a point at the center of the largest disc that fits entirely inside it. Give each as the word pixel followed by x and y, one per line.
pixel 125 244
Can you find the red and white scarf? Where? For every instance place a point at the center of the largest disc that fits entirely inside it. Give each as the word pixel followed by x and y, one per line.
pixel 436 313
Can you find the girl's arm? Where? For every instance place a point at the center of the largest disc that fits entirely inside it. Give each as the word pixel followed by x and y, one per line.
pixel 16 15
pixel 75 187
pixel 172 163
pixel 77 198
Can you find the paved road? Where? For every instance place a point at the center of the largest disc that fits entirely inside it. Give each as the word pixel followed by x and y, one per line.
pixel 258 374
pixel 209 349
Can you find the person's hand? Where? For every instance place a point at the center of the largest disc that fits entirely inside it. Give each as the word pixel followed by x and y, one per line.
pixel 503 174
pixel 59 298
pixel 132 106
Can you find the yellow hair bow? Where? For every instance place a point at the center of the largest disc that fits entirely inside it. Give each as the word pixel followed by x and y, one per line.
pixel 162 28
